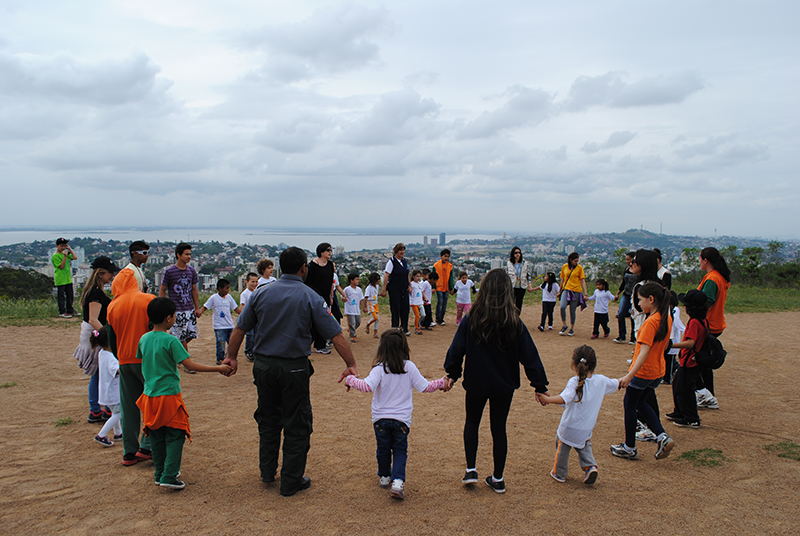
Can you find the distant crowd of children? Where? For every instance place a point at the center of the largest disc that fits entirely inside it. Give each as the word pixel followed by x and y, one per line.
pixel 489 345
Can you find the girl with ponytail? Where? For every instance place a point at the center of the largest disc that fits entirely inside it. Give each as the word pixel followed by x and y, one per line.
pixel 582 398
pixel 646 371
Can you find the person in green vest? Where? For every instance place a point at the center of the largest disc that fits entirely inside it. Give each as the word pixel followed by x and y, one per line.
pixel 62 277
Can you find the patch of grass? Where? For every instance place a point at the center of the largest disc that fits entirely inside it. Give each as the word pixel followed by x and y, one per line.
pixel 705 457
pixel 785 449
pixel 24 312
pixel 66 421
pixel 756 299
pixel 6 385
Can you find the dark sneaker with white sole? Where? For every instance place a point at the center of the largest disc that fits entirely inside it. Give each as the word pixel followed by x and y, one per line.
pixel 470 477
pixel 498 487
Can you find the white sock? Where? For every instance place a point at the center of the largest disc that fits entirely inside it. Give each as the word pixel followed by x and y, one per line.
pixel 496 480
pixel 628 449
pixel 471 469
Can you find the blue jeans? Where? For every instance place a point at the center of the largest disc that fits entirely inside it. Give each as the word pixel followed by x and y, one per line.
pixel 392 438
pixel 94 384
pixel 248 343
pixel 623 313
pixel 222 336
pixel 441 305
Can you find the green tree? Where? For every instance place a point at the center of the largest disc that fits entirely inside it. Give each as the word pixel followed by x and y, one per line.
pixel 751 260
pixel 24 284
pixel 774 252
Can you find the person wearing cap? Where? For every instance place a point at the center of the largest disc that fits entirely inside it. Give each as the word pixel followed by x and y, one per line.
pixel 94 302
pixel 62 277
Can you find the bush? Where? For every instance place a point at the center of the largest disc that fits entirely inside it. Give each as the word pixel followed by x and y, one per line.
pixel 24 284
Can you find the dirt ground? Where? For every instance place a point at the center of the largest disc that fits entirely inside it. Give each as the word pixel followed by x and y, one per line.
pixel 57 480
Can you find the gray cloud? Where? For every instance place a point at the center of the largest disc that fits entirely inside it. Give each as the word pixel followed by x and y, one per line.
pixel 525 107
pixel 718 152
pixel 610 90
pixel 397 117
pixel 616 139
pixel 106 82
pixel 333 40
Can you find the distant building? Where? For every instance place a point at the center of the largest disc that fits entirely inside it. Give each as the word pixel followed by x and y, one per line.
pixel 339 251
pixel 496 263
pixel 425 240
pixel 442 239
pixel 434 242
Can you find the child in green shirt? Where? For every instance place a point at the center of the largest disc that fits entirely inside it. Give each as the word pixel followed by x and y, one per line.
pixel 164 414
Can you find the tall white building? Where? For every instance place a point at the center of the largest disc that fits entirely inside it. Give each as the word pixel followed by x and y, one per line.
pixel 496 263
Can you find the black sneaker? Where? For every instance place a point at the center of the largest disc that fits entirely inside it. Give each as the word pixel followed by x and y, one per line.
pixel 498 487
pixel 620 340
pixel 686 424
pixel 176 484
pixel 95 417
pixel 674 416
pixel 541 328
pixel 470 477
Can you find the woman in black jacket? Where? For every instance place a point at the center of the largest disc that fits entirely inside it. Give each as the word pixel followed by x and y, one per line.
pixel 494 341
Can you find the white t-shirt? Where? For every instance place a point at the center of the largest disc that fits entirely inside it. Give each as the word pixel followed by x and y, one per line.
pixel 463 291
pixel 427 291
pixel 354 299
pixel 392 395
pixel 416 294
pixel 552 295
pixel 108 389
pixel 243 297
pixel 222 307
pixel 579 418
pixel 601 298
pixel 372 294
pixel 677 330
pixel 262 280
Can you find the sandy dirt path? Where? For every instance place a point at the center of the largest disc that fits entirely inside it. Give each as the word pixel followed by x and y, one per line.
pixel 57 480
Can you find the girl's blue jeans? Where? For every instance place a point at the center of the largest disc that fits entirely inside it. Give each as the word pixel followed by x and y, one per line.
pixel 392 438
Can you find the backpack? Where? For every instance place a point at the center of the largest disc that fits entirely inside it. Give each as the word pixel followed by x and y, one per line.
pixel 711 355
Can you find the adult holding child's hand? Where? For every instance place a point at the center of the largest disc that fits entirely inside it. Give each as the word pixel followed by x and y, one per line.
pixel 281 315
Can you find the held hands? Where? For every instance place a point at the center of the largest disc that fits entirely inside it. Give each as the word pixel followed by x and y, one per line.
pixel 232 364
pixel 448 384
pixel 625 381
pixel 540 397
pixel 347 372
pixel 225 370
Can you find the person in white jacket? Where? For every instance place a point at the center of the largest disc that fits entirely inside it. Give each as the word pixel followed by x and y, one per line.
pixel 518 270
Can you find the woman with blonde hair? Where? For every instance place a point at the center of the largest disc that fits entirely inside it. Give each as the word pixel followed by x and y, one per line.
pixel 491 342
pixel 94 302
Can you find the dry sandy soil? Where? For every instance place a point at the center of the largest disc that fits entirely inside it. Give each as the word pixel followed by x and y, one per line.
pixel 57 480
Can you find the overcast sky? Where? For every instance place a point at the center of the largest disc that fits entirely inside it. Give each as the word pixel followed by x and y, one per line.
pixel 518 116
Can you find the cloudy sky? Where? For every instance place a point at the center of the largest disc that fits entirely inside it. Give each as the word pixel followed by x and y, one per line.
pixel 518 116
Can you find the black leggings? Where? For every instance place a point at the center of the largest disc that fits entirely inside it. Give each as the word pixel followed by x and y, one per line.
pixel 519 295
pixel 636 401
pixel 706 377
pixel 499 407
pixel 547 312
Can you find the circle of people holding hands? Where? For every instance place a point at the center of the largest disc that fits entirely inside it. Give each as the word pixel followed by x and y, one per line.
pixel 132 347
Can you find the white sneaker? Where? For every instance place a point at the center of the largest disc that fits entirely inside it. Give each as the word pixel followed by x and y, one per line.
pixel 398 489
pixel 385 482
pixel 643 433
pixel 708 403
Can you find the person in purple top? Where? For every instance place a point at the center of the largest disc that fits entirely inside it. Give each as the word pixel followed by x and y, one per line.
pixel 180 286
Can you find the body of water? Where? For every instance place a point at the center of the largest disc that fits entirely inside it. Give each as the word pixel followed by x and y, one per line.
pixel 308 240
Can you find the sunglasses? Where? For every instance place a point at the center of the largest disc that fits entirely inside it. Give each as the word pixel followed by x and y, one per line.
pixel 143 252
